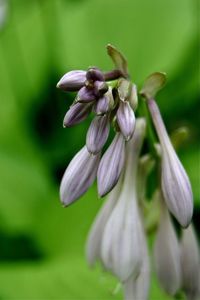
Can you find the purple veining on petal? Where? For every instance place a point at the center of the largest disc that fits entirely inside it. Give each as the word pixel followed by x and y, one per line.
pixel 76 114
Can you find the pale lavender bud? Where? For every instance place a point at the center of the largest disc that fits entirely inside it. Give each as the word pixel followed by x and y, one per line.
pixel 76 114
pixel 85 95
pixel 190 264
pixel 97 134
pixel 93 246
pixel 126 119
pixel 94 74
pixel 122 242
pixel 175 182
pixel 104 103
pixel 167 255
pixel 72 81
pixel 79 176
pixel 100 88
pixel 133 98
pixel 111 165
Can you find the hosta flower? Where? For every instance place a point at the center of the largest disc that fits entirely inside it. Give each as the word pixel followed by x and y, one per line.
pixel 77 113
pixel 72 81
pixel 79 176
pixel 190 263
pixel 167 255
pixel 111 165
pixel 175 182
pixel 126 119
pixel 121 243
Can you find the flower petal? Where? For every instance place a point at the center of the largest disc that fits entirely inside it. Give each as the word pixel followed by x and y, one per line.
pixel 126 119
pixel 76 114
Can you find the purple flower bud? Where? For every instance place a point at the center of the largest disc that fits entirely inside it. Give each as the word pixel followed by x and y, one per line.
pixel 97 134
pixel 76 114
pixel 94 74
pixel 100 88
pixel 105 103
pixel 126 119
pixel 85 95
pixel 79 176
pixel 111 165
pixel 72 81
pixel 190 263
pixel 167 255
pixel 175 182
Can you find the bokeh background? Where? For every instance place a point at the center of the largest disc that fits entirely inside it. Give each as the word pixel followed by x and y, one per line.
pixel 41 243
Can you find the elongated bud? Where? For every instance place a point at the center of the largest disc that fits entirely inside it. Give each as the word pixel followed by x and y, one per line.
pixel 72 81
pixel 100 88
pixel 94 74
pixel 175 182
pixel 167 255
pixel 93 246
pixel 85 95
pixel 97 134
pixel 105 103
pixel 79 176
pixel 190 263
pixel 76 114
pixel 111 165
pixel 126 119
pixel 122 244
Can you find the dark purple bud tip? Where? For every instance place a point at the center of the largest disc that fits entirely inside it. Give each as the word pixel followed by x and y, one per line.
pixel 77 113
pixel 85 95
pixel 101 106
pixel 72 81
pixel 94 74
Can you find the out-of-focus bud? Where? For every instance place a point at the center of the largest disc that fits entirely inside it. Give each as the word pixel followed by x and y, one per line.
pixel 153 84
pixel 79 176
pixel 93 246
pixel 126 119
pixel 118 59
pixel 72 81
pixel 167 254
pixel 179 136
pixel 190 264
pixel 100 88
pixel 121 243
pixel 111 165
pixel 85 95
pixel 175 182
pixel 104 103
pixel 3 12
pixel 76 114
pixel 97 134
pixel 94 74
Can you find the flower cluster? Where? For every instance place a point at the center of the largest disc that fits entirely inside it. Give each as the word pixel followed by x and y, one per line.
pixel 118 236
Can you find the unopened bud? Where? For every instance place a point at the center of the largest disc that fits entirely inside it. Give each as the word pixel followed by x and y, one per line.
pixel 76 114
pixel 94 74
pixel 72 81
pixel 100 88
pixel 126 119
pixel 85 95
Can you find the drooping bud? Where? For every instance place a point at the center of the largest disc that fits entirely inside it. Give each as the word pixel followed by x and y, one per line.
pixel 100 88
pixel 118 59
pixel 121 244
pixel 167 254
pixel 111 165
pixel 190 263
pixel 93 246
pixel 126 119
pixel 85 95
pixel 94 74
pixel 97 134
pixel 175 182
pixel 76 114
pixel 72 81
pixel 79 176
pixel 105 103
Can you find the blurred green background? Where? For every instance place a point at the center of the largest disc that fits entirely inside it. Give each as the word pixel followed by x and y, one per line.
pixel 42 244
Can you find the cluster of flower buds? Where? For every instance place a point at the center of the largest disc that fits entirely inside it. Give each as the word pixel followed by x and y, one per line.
pixel 117 238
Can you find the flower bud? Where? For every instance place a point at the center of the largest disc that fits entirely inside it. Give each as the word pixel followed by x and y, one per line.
pixel 105 103
pixel 76 114
pixel 100 88
pixel 85 95
pixel 79 176
pixel 126 119
pixel 190 263
pixel 167 255
pixel 97 134
pixel 94 74
pixel 111 165
pixel 176 186
pixel 122 243
pixel 72 81
pixel 94 240
pixel 133 98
